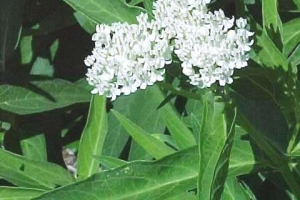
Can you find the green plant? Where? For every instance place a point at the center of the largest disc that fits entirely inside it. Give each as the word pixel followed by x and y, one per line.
pixel 169 141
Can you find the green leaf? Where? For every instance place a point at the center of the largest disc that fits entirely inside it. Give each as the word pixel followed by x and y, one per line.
pixel 140 108
pixel 295 151
pixel 110 162
pixel 272 22
pixel 297 2
pixel 14 193
pixel 267 54
pixel 10 20
pixel 103 11
pixel 40 96
pixel 53 49
pixel 179 131
pixel 32 174
pixel 92 139
pixel 82 83
pixel 215 142
pixel 85 22
pixel 117 136
pixel 143 112
pixel 165 138
pixel 295 56
pixel 291 36
pixel 34 148
pixel 235 190
pixel 26 49
pixel 139 180
pixel 184 195
pixel 42 66
pixel 243 159
pixel 152 145
pixel 135 2
pixel 149 6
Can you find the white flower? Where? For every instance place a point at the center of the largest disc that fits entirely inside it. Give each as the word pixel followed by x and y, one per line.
pixel 127 57
pixel 206 43
pixel 131 57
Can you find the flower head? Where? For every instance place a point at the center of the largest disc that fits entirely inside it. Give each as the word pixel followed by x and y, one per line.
pixel 127 57
pixel 131 57
pixel 206 42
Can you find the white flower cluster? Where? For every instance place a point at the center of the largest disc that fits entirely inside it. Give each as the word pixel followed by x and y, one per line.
pixel 204 41
pixel 128 57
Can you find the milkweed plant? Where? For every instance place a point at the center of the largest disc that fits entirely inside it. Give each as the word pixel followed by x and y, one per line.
pixel 149 99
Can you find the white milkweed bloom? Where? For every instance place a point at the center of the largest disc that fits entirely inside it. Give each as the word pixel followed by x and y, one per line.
pixel 207 43
pixel 127 57
pixel 131 57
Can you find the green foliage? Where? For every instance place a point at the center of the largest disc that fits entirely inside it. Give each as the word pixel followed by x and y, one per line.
pixel 19 193
pixel 170 141
pixel 155 180
pixel 152 145
pixel 40 96
pixel 215 142
pixel 291 37
pixel 24 172
pixel 102 11
pixel 92 139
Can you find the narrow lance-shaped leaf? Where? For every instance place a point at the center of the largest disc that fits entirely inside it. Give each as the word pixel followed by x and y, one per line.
pixel 221 170
pixel 26 49
pixel 152 145
pixel 178 130
pixel 32 174
pixel 291 36
pixel 295 56
pixel 110 162
pixel 215 142
pixel 143 112
pixel 235 190
pixel 15 193
pixel 139 180
pixel 92 139
pixel 140 108
pixel 103 11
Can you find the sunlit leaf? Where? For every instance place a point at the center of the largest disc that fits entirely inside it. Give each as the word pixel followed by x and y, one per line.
pixel 92 139
pixel 152 145
pixel 291 36
pixel 138 180
pixel 235 190
pixel 215 142
pixel 14 193
pixel 103 11
pixel 40 96
pixel 32 174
